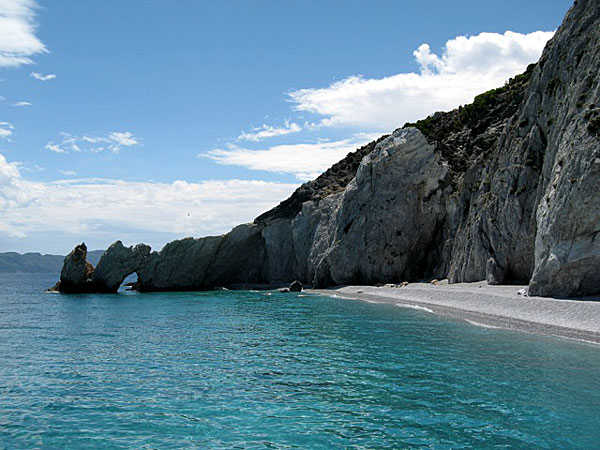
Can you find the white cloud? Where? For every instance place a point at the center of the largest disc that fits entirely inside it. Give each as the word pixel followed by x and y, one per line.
pixel 101 211
pixel 68 173
pixel 114 141
pixel 467 67
pixel 6 130
pixel 21 104
pixel 304 160
pixel 267 131
pixel 18 41
pixel 89 139
pixel 42 77
pixel 29 167
pixel 12 192
pixel 120 139
pixel 54 148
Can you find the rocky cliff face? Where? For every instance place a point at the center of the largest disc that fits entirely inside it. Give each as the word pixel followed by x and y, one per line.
pixel 503 189
pixel 566 102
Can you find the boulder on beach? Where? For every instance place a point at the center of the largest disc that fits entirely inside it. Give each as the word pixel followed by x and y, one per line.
pixel 296 286
pixel 493 272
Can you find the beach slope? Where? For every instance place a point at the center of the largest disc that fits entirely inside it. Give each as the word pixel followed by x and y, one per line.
pixel 489 306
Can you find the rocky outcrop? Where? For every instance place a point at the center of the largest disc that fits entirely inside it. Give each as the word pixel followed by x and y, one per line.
pixel 332 181
pixel 296 286
pixel 504 189
pixel 526 199
pixel 567 241
pixel 494 175
pixel 76 273
pixel 387 215
pixel 116 264
pixel 189 264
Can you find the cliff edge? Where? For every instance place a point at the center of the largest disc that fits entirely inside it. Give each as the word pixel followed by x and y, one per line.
pixel 504 189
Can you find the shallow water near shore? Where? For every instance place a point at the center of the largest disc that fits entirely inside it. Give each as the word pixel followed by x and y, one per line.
pixel 246 369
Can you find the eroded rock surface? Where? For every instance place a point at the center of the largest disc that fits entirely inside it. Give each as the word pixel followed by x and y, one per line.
pixel 235 258
pixel 116 264
pixel 504 189
pixel 388 214
pixel 567 241
pixel 76 273
pixel 493 273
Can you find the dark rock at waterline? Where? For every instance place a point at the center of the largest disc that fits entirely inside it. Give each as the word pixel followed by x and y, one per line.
pixel 116 264
pixel 77 272
pixel 296 286
pixel 55 288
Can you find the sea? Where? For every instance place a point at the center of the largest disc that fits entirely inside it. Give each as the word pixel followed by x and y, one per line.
pixel 243 369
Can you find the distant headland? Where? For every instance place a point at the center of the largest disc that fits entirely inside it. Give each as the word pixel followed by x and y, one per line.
pixel 13 262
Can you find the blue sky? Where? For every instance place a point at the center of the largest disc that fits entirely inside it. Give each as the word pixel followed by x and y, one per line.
pixel 153 120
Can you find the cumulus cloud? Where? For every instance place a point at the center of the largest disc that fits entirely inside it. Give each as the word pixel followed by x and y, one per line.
pixel 113 142
pixel 6 130
pixel 304 160
pixel 101 211
pixel 12 192
pixel 467 67
pixel 18 42
pixel 266 131
pixel 42 77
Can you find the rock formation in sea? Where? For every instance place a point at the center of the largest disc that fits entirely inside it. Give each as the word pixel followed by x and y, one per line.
pixel 116 263
pixel 76 273
pixel 505 188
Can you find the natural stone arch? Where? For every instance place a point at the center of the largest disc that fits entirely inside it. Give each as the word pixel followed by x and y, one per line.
pixel 116 264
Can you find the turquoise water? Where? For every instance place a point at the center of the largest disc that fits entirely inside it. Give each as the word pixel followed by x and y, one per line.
pixel 250 370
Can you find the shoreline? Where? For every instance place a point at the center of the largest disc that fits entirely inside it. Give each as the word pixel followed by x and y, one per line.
pixel 488 306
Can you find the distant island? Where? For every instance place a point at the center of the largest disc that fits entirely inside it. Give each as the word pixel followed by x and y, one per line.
pixel 12 262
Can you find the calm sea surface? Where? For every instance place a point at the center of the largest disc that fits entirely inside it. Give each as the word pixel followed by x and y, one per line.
pixel 251 370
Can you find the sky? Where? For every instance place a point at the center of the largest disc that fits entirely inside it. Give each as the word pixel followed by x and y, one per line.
pixel 152 120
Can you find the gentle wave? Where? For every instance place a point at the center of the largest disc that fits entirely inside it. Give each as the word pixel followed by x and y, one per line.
pixel 341 296
pixel 417 307
pixel 482 325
